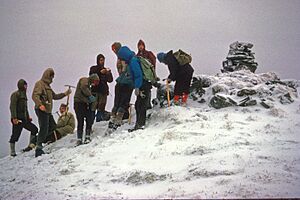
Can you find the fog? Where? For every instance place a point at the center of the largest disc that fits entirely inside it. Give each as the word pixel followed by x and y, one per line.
pixel 68 35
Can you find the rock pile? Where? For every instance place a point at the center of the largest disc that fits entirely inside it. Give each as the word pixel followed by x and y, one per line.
pixel 239 57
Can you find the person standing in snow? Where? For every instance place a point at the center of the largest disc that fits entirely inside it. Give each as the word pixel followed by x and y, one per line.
pixel 43 97
pixel 142 52
pixel 83 100
pixel 142 87
pixel 181 74
pixel 101 91
pixel 65 125
pixel 123 91
pixel 20 117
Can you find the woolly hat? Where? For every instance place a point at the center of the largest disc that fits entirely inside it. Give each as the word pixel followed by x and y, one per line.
pixel 116 46
pixel 161 57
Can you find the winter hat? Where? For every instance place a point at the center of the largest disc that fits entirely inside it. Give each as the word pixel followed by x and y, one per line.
pixel 116 46
pixel 94 78
pixel 141 42
pixel 161 57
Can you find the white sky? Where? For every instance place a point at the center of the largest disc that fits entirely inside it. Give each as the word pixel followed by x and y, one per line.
pixel 67 35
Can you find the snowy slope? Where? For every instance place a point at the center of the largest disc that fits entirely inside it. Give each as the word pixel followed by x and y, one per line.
pixel 184 152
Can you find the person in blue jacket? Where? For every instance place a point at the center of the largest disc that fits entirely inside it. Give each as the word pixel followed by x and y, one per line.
pixel 141 86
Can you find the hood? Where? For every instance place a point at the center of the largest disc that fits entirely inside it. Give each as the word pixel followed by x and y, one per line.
pixel 48 76
pixel 125 54
pixel 98 58
pixel 21 84
pixel 141 42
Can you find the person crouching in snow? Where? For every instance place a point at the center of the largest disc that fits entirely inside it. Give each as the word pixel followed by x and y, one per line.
pixel 20 117
pixel 83 100
pixel 181 74
pixel 142 87
pixel 65 125
pixel 43 97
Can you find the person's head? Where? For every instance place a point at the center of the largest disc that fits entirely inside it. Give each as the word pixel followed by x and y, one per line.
pixel 62 108
pixel 94 79
pixel 22 85
pixel 161 57
pixel 125 54
pixel 115 47
pixel 48 75
pixel 141 45
pixel 100 60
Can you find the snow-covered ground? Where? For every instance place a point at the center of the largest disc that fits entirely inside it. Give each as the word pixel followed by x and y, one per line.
pixel 184 152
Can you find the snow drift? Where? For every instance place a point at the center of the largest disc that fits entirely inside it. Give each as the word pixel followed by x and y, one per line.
pixel 185 152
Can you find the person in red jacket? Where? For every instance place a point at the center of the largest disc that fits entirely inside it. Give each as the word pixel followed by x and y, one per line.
pixel 142 52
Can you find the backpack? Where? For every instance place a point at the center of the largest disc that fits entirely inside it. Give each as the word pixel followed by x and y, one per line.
pixel 148 70
pixel 182 57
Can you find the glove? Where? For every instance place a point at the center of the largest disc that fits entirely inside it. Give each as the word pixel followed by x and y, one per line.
pixel 137 91
pixel 69 91
pixel 91 99
pixel 15 121
pixel 142 94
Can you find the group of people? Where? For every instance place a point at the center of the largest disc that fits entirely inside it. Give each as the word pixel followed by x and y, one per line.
pixel 91 97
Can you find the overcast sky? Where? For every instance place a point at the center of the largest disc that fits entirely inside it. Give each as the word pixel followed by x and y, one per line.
pixel 67 35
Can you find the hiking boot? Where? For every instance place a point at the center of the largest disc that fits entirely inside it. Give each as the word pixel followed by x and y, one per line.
pixel 39 152
pixel 136 128
pixel 78 142
pixel 12 149
pixel 176 100
pixel 87 140
pixel 27 149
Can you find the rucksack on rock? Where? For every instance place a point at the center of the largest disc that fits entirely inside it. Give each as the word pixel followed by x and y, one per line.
pixel 182 57
pixel 148 70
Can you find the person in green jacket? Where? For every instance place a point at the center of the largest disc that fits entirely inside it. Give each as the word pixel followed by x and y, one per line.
pixel 65 125
pixel 20 117
pixel 83 103
pixel 43 97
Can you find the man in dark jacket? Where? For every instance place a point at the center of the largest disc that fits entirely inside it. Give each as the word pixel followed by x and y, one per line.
pixel 101 91
pixel 83 100
pixel 142 87
pixel 181 74
pixel 20 117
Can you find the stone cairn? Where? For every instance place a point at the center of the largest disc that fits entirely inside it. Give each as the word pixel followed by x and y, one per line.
pixel 239 57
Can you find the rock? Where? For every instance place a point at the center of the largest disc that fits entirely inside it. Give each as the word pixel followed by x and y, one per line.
pixel 247 102
pixel 218 102
pixel 246 92
pixel 239 57
pixel 286 99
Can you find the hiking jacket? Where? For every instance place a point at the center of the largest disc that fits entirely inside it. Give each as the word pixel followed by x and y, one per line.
pixel 65 124
pixel 43 94
pixel 104 79
pixel 129 57
pixel 83 89
pixel 18 103
pixel 177 72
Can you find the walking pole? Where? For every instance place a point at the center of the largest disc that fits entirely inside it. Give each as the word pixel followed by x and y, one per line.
pixel 168 92
pixel 129 112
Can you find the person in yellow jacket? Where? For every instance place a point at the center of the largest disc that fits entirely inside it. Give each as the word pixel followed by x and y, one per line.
pixel 43 97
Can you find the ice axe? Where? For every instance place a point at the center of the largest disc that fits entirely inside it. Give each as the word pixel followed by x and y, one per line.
pixel 68 98
pixel 168 92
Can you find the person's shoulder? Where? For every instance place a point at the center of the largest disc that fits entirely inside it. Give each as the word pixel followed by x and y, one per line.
pixel 15 94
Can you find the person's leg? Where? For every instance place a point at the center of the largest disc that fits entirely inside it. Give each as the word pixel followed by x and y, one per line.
pixel 43 118
pixel 16 132
pixel 78 107
pixel 33 134
pixel 89 124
